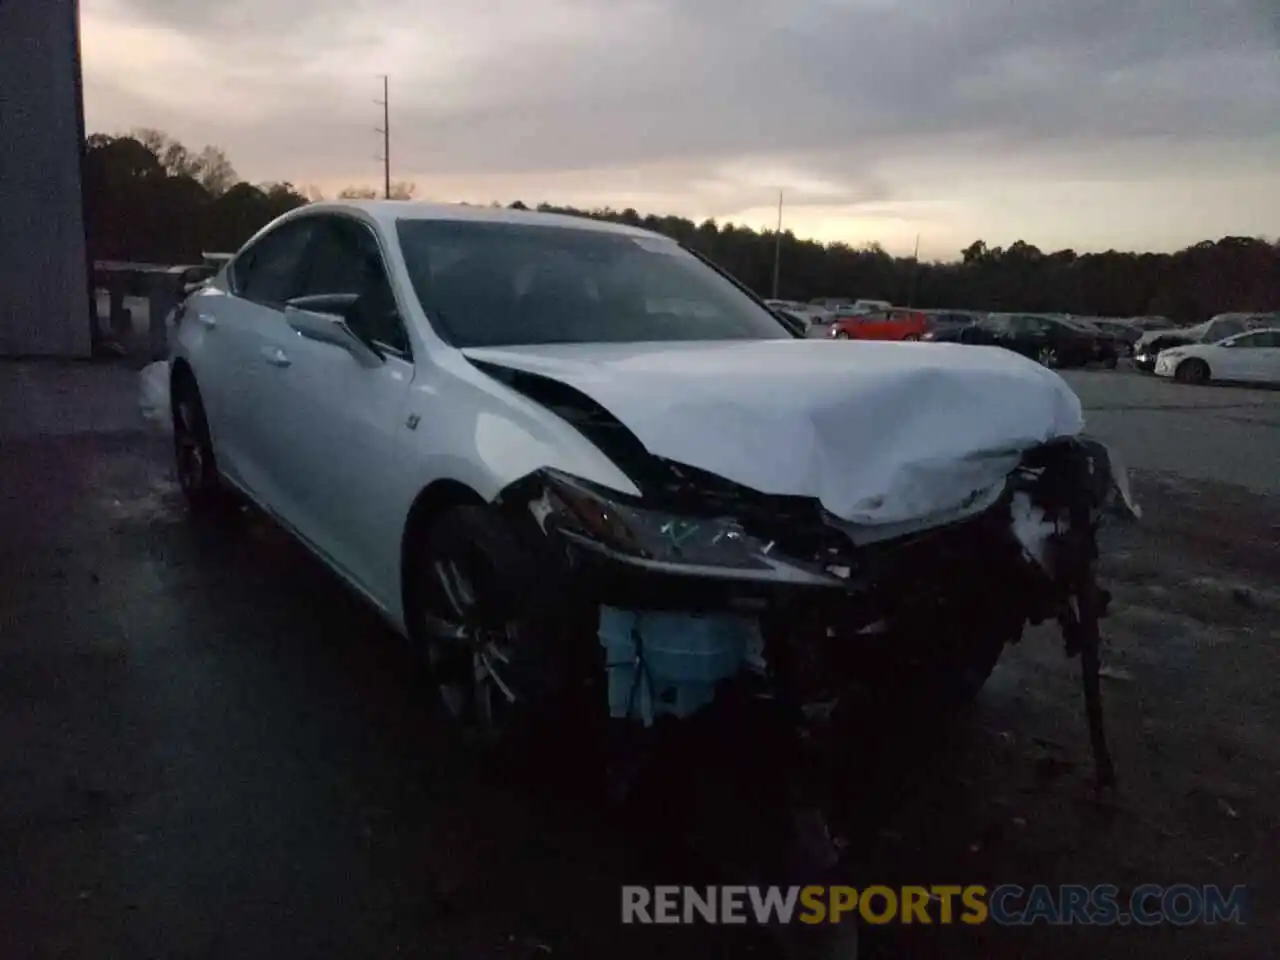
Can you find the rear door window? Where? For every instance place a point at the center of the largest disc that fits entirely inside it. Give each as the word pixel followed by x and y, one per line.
pixel 270 271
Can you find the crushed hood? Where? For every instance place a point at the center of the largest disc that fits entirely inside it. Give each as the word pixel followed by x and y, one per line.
pixel 1189 334
pixel 879 432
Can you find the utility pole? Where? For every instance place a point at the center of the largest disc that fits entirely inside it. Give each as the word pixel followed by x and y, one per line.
pixel 915 273
pixel 385 130
pixel 777 248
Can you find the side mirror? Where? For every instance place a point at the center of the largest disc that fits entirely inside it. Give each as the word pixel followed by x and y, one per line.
pixel 332 329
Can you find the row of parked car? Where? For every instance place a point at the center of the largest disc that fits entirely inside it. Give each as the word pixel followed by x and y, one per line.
pixel 1063 340
pixel 1056 340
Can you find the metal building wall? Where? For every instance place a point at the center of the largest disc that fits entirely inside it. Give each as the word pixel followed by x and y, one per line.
pixel 44 287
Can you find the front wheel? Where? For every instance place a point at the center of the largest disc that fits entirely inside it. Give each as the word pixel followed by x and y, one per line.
pixel 1048 357
pixel 841 335
pixel 911 338
pixel 1192 371
pixel 493 638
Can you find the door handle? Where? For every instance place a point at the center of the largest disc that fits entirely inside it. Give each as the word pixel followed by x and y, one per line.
pixel 206 320
pixel 276 357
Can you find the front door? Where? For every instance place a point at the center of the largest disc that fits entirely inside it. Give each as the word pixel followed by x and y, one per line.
pixel 343 447
pixel 1246 357
pixel 874 326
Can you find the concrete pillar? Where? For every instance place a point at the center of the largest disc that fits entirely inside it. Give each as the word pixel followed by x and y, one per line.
pixel 44 283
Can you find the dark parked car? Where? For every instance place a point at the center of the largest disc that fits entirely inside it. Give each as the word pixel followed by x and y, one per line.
pixel 1151 323
pixel 1120 334
pixel 1052 341
pixel 948 321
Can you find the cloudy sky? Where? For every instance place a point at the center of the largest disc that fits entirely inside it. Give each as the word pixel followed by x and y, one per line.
pixel 1135 124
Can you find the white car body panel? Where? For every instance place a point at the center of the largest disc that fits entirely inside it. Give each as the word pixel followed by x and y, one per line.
pixel 325 445
pixel 804 418
pixel 1227 361
pixel 881 433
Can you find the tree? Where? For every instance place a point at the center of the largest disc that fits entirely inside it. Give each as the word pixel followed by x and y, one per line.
pixel 209 166
pixel 147 197
pixel 214 171
pixel 400 190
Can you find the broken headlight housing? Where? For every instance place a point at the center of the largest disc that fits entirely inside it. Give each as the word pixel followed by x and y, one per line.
pixel 601 520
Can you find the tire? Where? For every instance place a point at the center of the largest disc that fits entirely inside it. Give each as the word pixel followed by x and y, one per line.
pixel 1111 363
pixel 1192 371
pixel 491 626
pixel 841 335
pixel 194 457
pixel 940 682
pixel 1048 357
pixel 911 338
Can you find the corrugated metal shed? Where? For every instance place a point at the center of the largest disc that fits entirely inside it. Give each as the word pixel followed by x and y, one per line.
pixel 44 285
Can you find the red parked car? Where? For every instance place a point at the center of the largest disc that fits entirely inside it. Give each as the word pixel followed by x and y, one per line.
pixel 893 324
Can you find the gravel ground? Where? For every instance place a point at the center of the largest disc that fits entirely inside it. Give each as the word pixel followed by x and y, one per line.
pixel 209 749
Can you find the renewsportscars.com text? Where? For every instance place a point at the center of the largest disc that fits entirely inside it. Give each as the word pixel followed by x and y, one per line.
pixel 1005 905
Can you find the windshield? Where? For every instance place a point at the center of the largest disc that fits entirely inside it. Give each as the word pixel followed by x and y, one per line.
pixel 1217 330
pixel 502 284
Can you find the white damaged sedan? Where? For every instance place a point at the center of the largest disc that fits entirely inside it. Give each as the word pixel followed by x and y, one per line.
pixel 1251 357
pixel 556 452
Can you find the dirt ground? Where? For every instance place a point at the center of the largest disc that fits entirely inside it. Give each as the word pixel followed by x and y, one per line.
pixel 209 749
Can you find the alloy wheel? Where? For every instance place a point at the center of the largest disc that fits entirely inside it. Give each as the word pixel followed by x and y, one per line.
pixel 1047 356
pixel 469 649
pixel 1192 371
pixel 188 450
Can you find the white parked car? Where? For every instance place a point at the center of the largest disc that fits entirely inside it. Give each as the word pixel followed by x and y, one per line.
pixel 1252 357
pixel 555 451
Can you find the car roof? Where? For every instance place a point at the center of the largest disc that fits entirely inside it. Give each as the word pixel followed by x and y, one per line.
pixel 387 212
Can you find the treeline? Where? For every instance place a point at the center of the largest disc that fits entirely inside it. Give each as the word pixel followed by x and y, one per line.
pixel 148 198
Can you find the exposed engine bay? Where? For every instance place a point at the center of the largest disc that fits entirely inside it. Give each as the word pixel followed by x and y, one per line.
pixel 701 581
pixel 713 598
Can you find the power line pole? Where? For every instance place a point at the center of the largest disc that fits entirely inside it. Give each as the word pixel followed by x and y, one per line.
pixel 915 273
pixel 777 248
pixel 385 130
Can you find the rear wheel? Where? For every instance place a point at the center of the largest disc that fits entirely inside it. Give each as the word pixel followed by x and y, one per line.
pixel 1192 371
pixel 911 338
pixel 196 464
pixel 841 335
pixel 1048 357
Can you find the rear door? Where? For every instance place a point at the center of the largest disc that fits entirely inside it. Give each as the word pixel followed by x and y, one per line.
pixel 248 325
pixel 902 324
pixel 1026 335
